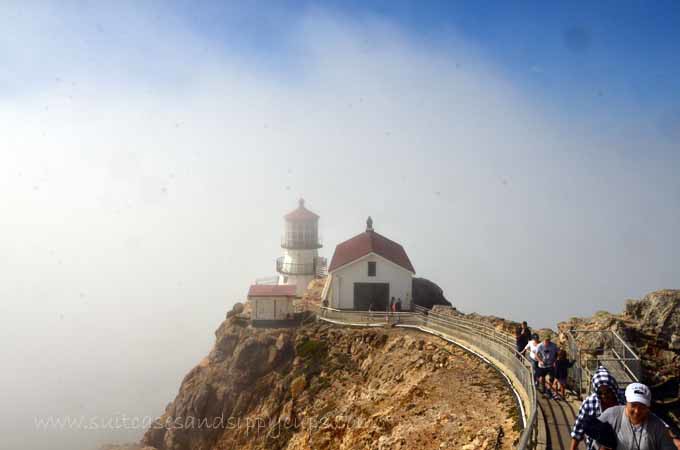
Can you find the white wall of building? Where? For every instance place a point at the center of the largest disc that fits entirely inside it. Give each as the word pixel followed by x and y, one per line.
pixel 342 284
pixel 299 256
pixel 296 260
pixel 271 308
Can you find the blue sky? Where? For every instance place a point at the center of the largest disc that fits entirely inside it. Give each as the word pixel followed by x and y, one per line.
pixel 568 53
pixel 582 55
pixel 608 61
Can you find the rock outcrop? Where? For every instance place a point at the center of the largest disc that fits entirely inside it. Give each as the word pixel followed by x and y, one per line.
pixel 428 294
pixel 324 387
pixel 650 325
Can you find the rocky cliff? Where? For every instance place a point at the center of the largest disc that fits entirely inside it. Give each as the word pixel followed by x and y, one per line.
pixel 650 325
pixel 324 387
pixel 428 294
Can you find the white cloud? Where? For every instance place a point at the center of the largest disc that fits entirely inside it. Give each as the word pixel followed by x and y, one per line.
pixel 136 203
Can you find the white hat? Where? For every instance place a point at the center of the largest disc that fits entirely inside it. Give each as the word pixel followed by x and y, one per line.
pixel 638 392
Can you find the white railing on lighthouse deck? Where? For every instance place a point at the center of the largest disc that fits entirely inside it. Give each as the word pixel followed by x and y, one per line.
pixel 287 267
pixel 267 280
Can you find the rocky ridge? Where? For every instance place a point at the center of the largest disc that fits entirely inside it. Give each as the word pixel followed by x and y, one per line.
pixel 325 387
pixel 320 386
pixel 650 325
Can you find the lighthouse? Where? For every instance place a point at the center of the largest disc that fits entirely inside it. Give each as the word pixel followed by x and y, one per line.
pixel 300 242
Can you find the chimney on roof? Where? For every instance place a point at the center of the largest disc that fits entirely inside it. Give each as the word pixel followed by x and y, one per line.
pixel 301 202
pixel 369 224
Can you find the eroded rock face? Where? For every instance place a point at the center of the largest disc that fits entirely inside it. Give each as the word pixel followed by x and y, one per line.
pixel 650 325
pixel 238 308
pixel 325 387
pixel 427 294
pixel 658 315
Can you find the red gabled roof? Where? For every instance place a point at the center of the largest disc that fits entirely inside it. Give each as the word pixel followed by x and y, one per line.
pixel 272 290
pixel 370 242
pixel 301 213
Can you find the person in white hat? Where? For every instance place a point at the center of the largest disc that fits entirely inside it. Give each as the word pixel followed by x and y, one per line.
pixel 636 428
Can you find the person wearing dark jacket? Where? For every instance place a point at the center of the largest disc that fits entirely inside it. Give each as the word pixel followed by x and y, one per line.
pixel 522 336
pixel 562 366
pixel 605 394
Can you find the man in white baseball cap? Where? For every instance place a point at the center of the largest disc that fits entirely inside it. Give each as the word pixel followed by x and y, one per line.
pixel 636 428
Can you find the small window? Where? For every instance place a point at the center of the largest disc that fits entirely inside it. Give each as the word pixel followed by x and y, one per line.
pixel 371 268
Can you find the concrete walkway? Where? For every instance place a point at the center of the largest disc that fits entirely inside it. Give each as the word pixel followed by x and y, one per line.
pixel 557 417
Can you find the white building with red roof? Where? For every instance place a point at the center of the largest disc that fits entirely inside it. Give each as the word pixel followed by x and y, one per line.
pixel 370 271
pixel 270 303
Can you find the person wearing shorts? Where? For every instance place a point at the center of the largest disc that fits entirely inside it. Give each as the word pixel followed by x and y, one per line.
pixel 562 366
pixel 546 353
pixel 532 346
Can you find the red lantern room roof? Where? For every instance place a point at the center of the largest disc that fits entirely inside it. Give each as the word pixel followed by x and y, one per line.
pixel 301 213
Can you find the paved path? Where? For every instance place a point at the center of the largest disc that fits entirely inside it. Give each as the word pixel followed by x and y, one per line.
pixel 558 418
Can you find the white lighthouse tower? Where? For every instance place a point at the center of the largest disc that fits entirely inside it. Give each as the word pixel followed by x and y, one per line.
pixel 300 262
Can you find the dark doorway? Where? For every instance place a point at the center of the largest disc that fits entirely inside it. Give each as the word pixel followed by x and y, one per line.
pixel 376 293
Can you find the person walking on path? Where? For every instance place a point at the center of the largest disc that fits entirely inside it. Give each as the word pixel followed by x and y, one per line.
pixel 635 427
pixel 532 346
pixel 605 394
pixel 546 353
pixel 562 366
pixel 522 336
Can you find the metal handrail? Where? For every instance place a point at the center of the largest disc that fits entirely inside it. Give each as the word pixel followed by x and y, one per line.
pixel 508 338
pixel 488 341
pixel 615 334
pixel 267 280
pixel 631 365
pixel 576 371
pixel 625 345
